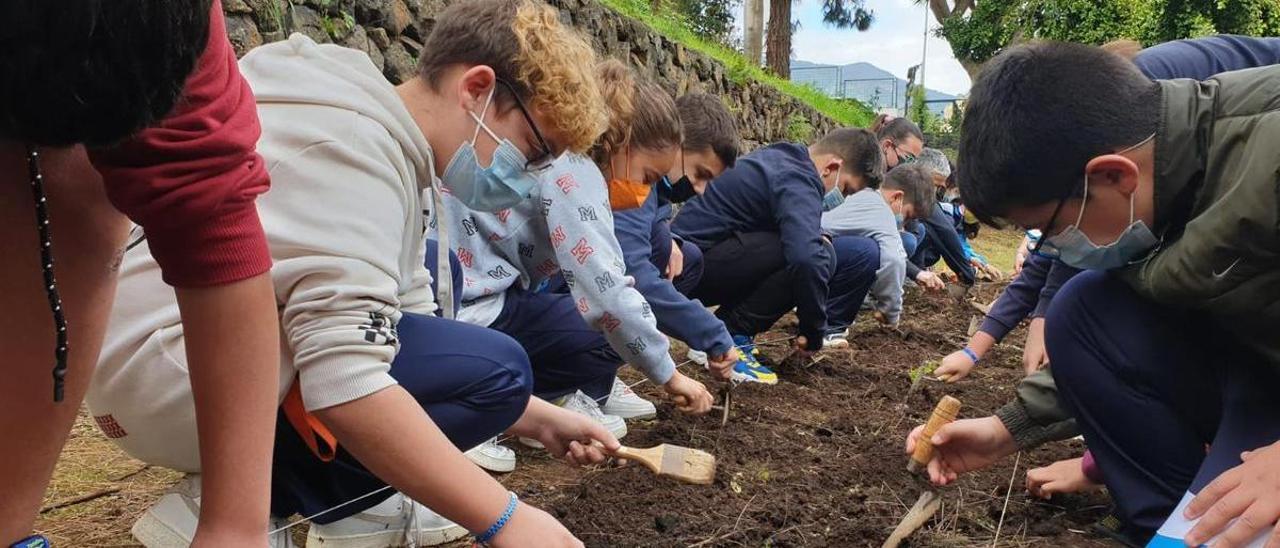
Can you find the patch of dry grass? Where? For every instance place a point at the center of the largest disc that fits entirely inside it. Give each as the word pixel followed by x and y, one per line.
pixel 92 465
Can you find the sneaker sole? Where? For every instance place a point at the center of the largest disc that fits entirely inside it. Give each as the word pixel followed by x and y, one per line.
pixel 492 464
pixel 153 531
pixel 650 413
pixel 383 539
pixel 738 378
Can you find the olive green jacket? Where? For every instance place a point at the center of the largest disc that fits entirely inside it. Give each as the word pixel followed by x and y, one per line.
pixel 1217 205
pixel 1217 213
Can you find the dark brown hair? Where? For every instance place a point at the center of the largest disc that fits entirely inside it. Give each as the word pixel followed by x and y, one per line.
pixel 94 71
pixel 859 150
pixel 707 125
pixel 916 183
pixel 641 114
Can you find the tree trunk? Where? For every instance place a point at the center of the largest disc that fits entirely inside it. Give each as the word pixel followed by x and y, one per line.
pixel 941 12
pixel 778 53
pixel 753 30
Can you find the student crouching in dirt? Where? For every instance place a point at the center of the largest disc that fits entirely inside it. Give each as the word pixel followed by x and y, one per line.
pixel 876 214
pixel 377 391
pixel 1166 191
pixel 666 268
pixel 578 340
pixel 759 229
pixel 932 238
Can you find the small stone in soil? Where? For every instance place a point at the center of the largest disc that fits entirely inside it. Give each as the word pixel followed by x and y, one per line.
pixel 666 524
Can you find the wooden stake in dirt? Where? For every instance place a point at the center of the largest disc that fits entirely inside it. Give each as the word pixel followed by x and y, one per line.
pixel 919 514
pixel 944 413
pixel 682 463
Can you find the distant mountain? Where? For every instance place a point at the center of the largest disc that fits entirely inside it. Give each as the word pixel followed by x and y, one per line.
pixel 865 82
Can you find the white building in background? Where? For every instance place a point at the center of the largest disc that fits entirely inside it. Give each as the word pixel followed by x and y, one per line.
pixel 869 84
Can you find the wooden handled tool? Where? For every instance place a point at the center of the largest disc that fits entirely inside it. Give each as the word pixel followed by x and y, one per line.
pixel 916 517
pixel 943 414
pixel 673 461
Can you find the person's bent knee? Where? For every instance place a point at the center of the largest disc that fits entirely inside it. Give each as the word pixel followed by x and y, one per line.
pixel 1070 321
pixel 513 373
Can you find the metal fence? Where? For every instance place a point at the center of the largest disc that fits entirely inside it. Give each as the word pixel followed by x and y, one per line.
pixel 876 93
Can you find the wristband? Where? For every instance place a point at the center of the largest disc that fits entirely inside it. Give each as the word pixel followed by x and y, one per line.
pixel 34 541
pixel 972 355
pixel 493 530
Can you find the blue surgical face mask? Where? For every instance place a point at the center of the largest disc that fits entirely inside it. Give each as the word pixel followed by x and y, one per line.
pixel 900 219
pixel 834 197
pixel 505 183
pixel 1074 247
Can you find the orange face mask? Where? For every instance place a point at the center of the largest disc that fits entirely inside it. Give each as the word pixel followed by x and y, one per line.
pixel 624 193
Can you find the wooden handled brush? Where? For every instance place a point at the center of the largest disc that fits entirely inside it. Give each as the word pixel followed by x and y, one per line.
pixel 943 414
pixel 681 463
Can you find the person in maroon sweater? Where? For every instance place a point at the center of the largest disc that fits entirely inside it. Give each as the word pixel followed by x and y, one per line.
pixel 119 111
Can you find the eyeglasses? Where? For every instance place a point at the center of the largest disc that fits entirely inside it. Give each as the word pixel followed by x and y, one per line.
pixel 1038 247
pixel 542 159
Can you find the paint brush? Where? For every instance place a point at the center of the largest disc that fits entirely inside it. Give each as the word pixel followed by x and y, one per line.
pixel 673 461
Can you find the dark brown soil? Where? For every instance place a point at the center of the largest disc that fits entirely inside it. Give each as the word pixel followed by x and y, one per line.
pixel 818 459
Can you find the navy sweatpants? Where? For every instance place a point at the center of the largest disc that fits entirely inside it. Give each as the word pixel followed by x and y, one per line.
pixel 857 259
pixel 567 354
pixel 1151 387
pixel 473 382
pixel 690 274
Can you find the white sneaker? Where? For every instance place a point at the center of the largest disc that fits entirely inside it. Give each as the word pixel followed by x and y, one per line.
pixel 493 457
pixel 839 339
pixel 583 404
pixel 397 521
pixel 699 357
pixel 171 521
pixel 625 403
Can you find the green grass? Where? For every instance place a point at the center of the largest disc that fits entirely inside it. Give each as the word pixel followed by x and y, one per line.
pixel 845 112
pixel 998 246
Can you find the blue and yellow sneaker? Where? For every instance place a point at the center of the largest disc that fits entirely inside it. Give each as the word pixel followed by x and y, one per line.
pixel 748 368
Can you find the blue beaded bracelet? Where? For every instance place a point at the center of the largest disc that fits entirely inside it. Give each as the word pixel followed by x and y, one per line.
pixel 972 355
pixel 484 538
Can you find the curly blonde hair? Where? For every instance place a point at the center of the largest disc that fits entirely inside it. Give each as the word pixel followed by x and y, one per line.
pixel 641 113
pixel 548 65
pixel 553 61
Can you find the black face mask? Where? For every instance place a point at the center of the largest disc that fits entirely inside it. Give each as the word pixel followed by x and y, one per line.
pixel 679 192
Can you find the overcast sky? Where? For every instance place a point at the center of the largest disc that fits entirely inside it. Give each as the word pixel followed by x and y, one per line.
pixel 893 42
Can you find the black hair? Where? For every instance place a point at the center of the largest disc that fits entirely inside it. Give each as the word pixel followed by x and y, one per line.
pixel 709 125
pixel 1036 116
pixel 859 150
pixel 94 71
pixel 898 130
pixel 916 183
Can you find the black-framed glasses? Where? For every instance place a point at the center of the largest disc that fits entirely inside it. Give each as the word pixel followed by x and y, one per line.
pixel 541 160
pixel 1038 248
pixel 904 158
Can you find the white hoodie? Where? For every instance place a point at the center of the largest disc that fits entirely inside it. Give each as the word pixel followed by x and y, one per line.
pixel 345 221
